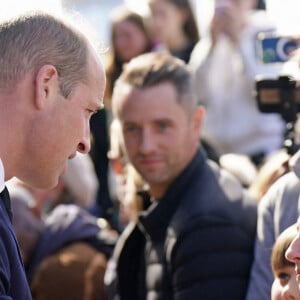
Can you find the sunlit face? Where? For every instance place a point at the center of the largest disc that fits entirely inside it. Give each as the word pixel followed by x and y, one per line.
pixel 129 40
pixel 293 252
pixel 167 20
pixel 159 135
pixel 61 128
pixel 285 285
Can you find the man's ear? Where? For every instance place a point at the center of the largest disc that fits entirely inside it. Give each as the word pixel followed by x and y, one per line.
pixel 46 83
pixel 198 119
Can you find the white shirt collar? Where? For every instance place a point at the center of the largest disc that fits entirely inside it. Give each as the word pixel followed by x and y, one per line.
pixel 2 183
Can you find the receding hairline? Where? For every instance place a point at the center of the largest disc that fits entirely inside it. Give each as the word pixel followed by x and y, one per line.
pixel 21 24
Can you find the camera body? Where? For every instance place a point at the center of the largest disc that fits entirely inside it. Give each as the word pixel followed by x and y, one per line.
pixel 281 95
pixel 274 48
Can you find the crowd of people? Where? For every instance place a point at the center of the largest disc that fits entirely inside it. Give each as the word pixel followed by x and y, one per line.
pixel 146 171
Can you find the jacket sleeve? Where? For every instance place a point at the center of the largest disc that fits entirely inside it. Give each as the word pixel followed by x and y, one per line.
pixel 4 269
pixel 210 253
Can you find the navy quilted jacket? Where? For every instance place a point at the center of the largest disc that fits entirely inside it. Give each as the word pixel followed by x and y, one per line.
pixel 195 243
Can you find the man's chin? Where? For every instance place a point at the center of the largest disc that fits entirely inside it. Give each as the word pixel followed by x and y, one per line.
pixel 49 185
pixel 43 183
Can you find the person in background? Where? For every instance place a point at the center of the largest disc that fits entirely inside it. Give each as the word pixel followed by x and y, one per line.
pixel 174 26
pixel 46 101
pixel 284 285
pixel 29 207
pixel 82 181
pixel 269 172
pixel 182 246
pixel 225 65
pixel 44 238
pixel 175 30
pixel 73 272
pixel 277 190
pixel 293 253
pixel 277 210
pixel 70 256
pixel 32 206
pixel 129 38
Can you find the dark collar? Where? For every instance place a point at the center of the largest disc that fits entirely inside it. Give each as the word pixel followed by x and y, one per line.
pixel 156 218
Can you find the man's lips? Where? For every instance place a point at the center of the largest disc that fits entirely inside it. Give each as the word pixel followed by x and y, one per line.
pixel 150 162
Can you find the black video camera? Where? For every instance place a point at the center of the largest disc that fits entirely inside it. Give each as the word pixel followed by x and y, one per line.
pixel 281 95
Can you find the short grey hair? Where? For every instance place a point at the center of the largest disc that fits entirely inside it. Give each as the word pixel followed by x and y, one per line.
pixel 35 39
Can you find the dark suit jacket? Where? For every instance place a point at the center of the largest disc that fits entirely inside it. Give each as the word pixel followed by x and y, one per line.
pixel 13 282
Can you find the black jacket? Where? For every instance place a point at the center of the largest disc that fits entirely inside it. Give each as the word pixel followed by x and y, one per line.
pixel 195 243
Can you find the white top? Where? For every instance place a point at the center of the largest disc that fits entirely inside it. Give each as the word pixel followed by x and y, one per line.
pixel 2 183
pixel 224 83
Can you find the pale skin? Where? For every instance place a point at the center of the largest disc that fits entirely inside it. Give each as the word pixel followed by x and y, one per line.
pixel 168 21
pixel 285 285
pixel 161 137
pixel 293 253
pixel 41 130
pixel 129 40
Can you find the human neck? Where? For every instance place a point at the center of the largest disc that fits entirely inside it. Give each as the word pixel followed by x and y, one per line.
pixel 10 137
pixel 156 193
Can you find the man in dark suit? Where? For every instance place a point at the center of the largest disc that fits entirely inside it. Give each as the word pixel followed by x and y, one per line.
pixel 46 101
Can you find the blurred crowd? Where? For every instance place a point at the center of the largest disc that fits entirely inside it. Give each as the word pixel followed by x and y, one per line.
pixel 73 237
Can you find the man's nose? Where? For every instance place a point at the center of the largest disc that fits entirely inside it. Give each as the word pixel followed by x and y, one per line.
pixel 84 146
pixel 147 141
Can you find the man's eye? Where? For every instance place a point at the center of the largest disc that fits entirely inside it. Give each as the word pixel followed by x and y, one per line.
pixel 130 128
pixel 162 125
